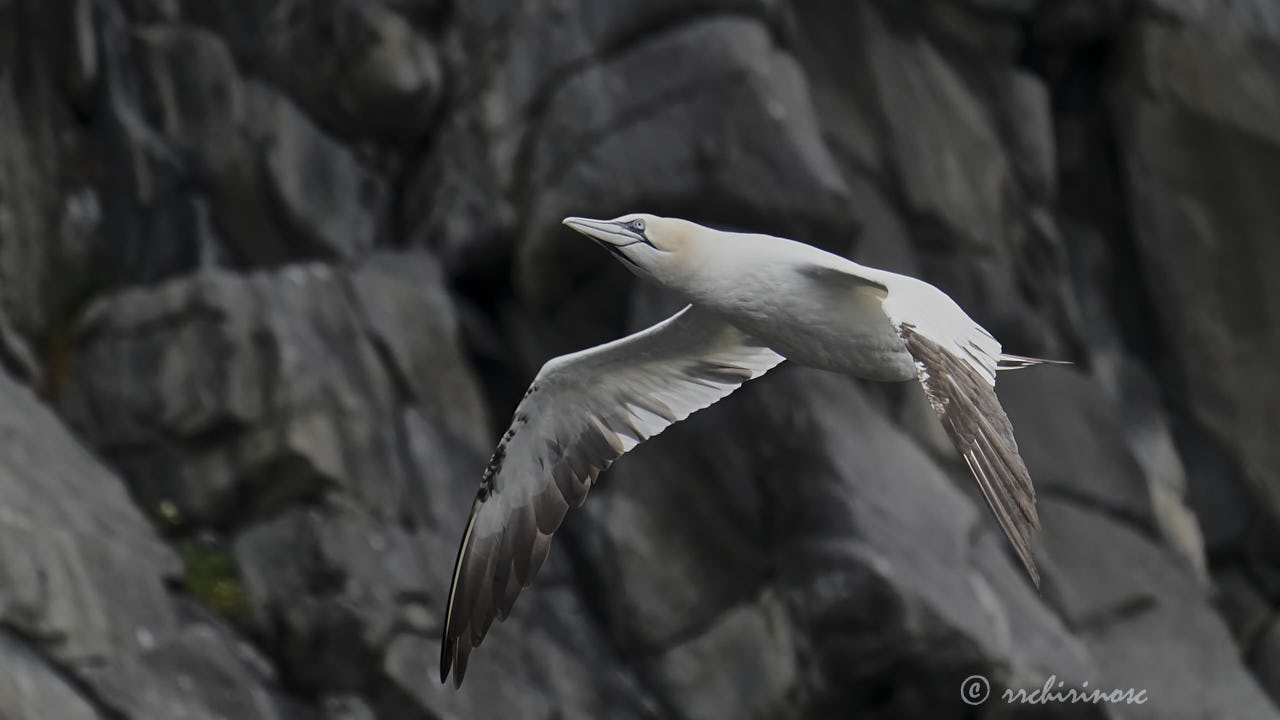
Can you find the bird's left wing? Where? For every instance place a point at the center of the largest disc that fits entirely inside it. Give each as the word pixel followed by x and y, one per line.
pixel 958 372
pixel 581 413
pixel 956 361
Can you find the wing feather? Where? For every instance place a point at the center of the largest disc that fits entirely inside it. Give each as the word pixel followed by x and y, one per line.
pixel 581 413
pixel 960 385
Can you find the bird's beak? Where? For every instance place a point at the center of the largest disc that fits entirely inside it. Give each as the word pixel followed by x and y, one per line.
pixel 607 232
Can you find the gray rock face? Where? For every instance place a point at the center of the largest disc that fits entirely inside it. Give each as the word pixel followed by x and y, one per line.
pixel 1144 620
pixel 15 354
pixel 368 72
pixel 1220 343
pixel 271 388
pixel 50 202
pixel 291 186
pixel 303 408
pixel 90 629
pixel 1108 476
pixel 31 689
pixel 941 139
pixel 1258 17
pixel 271 273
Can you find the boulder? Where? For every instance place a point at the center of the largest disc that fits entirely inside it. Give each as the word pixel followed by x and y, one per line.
pixel 92 629
pixel 223 394
pixel 32 690
pixel 1254 17
pixel 1144 619
pixel 1200 147
pixel 369 73
pixel 51 206
pixel 293 187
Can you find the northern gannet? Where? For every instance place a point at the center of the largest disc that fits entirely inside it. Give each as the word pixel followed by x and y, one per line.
pixel 755 300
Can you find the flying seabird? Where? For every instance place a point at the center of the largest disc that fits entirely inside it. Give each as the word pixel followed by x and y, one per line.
pixel 755 300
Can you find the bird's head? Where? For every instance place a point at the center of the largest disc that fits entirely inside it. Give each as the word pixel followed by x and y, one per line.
pixel 650 246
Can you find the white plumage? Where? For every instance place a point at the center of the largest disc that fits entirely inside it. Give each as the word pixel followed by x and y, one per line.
pixel 755 301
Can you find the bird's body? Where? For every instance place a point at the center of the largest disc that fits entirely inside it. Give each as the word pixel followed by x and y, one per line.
pixel 755 300
pixel 811 306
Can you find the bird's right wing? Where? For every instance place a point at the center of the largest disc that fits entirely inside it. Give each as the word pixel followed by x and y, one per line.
pixel 582 412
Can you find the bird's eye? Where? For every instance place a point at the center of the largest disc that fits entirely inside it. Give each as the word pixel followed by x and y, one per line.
pixel 637 225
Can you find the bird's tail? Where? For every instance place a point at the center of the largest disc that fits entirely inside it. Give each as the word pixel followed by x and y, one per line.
pixel 1017 362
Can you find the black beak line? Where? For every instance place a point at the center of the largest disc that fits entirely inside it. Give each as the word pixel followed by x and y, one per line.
pixel 616 250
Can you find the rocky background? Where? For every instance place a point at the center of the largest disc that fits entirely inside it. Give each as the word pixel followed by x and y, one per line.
pixel 274 273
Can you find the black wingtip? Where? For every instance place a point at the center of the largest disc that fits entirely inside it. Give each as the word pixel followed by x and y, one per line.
pixel 460 663
pixel 1035 575
pixel 445 659
pixel 1028 560
pixel 450 655
pixel 453 657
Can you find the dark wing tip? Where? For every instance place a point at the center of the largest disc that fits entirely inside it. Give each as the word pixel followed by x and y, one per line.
pixel 446 657
pixel 480 593
pixel 453 655
pixel 449 640
pixel 1022 548
pixel 464 649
